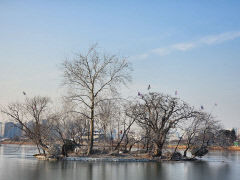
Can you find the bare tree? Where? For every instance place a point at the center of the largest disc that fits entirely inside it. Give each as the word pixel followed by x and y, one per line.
pixel 127 124
pixel 225 138
pixel 107 115
pixel 33 117
pixel 69 125
pixel 180 134
pixel 206 135
pixel 160 113
pixel 191 131
pixel 131 138
pixel 91 75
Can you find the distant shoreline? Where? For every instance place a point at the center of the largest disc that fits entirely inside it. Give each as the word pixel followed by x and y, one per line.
pixel 180 147
pixel 214 148
pixel 17 142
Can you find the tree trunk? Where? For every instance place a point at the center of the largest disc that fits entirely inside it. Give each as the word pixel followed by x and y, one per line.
pixel 126 143
pixel 185 152
pixel 147 145
pixel 130 148
pixel 90 143
pixel 158 149
pixel 125 133
pixel 111 141
pixel 39 152
pixel 175 150
pixel 105 138
pixel 119 142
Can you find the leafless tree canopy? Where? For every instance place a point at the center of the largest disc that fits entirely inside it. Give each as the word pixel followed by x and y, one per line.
pixel 160 113
pixel 200 131
pixel 33 117
pixel 92 75
pixel 69 125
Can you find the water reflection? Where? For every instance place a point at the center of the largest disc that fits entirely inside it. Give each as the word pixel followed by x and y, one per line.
pixel 20 165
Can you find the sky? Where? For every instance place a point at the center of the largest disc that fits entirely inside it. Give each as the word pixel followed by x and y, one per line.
pixel 189 46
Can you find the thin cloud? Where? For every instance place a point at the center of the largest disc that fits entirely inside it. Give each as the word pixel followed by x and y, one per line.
pixel 141 56
pixel 220 38
pixel 183 46
pixel 161 51
pixel 186 46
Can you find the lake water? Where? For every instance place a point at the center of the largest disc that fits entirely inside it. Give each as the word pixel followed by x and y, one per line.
pixel 17 163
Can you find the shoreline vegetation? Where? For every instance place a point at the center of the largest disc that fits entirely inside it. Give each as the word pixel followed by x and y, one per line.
pixel 95 121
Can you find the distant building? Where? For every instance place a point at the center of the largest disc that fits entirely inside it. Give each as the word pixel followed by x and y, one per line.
pixel 237 131
pixel 12 130
pixel 1 129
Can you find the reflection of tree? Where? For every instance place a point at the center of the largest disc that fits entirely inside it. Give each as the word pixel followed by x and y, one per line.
pixel 35 172
pixel 224 172
pixel 155 171
pixel 207 170
pixel 90 171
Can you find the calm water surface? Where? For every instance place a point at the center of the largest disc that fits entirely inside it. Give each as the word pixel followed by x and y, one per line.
pixel 17 163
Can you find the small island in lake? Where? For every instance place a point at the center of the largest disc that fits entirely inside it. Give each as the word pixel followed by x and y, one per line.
pixel 93 121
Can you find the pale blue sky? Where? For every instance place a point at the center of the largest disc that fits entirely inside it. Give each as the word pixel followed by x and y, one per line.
pixel 189 46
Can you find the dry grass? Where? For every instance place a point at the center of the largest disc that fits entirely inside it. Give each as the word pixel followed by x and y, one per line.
pixel 230 148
